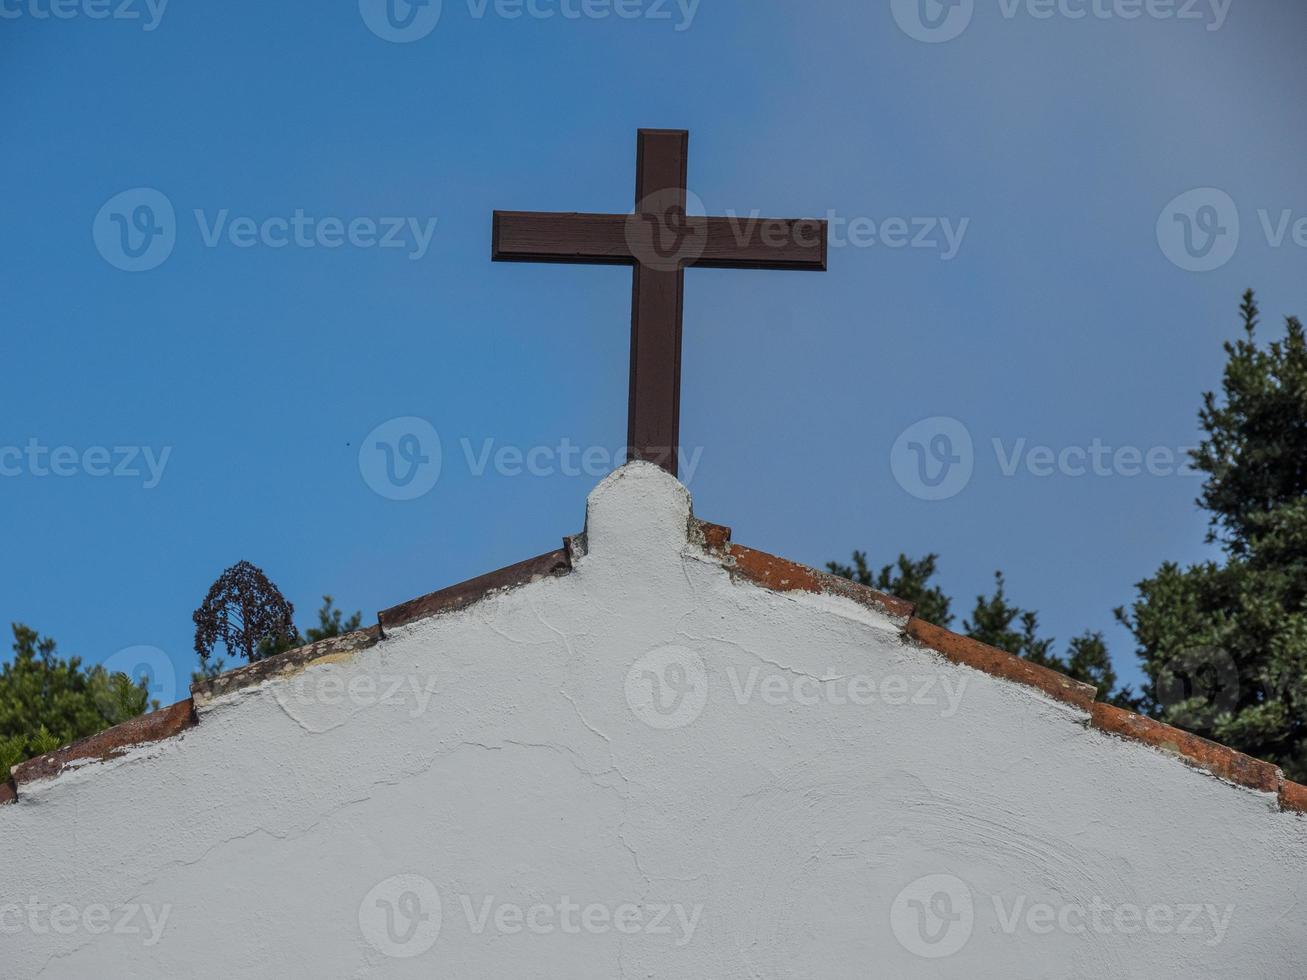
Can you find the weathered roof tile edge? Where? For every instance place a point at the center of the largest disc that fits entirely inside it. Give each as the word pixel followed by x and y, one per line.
pixel 153 727
pixel 290 662
pixel 759 568
pixel 781 575
pixel 474 590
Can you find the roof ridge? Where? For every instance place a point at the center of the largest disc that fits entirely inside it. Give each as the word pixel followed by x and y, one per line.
pixel 287 662
pixel 110 743
pixel 759 568
pixel 782 575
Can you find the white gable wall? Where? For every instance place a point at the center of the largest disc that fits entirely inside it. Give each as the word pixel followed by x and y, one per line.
pixel 568 828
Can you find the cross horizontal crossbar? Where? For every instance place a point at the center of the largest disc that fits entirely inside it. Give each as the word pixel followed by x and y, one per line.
pixel 797 244
pixel 659 241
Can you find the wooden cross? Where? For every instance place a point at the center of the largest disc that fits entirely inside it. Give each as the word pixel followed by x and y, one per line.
pixel 659 240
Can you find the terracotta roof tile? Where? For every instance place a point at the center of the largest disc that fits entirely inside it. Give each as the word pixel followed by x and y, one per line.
pixel 474 590
pixel 1193 750
pixel 1293 796
pixel 154 727
pixel 782 575
pixel 964 650
pixel 291 661
pixel 747 564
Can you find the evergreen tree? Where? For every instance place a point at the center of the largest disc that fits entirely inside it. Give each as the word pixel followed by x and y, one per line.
pixel 994 620
pixel 906 579
pixel 331 622
pixel 47 701
pixel 1000 624
pixel 1224 644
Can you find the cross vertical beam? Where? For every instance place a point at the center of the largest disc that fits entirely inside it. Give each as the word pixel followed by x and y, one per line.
pixel 653 423
pixel 659 240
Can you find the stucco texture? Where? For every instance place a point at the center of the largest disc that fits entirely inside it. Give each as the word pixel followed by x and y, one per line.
pixel 647 767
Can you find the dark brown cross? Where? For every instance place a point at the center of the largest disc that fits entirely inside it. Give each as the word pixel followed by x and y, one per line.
pixel 660 240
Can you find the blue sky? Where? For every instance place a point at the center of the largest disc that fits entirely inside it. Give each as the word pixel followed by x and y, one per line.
pixel 248 367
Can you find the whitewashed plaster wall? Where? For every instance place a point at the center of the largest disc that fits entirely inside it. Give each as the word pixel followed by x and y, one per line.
pixel 521 808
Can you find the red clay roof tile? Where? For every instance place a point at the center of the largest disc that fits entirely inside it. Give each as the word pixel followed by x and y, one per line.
pixel 153 727
pixel 759 568
pixel 964 650
pixel 1220 761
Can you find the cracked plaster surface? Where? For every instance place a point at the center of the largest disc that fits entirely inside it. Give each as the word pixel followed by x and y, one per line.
pixel 529 777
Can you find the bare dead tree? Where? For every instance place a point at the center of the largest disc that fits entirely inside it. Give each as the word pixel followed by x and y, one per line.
pixel 242 609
